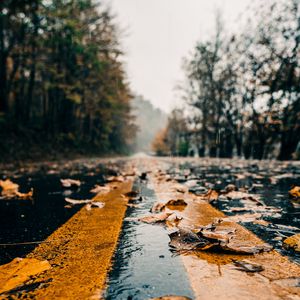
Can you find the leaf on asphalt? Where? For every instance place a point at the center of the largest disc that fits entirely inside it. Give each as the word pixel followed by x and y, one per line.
pixel 230 187
pixel 115 179
pixel 215 236
pixel 245 247
pixel 247 266
pixel 95 204
pixel 158 206
pixel 209 196
pixel 10 190
pixel 238 195
pixel 173 220
pixel 185 240
pixel 25 196
pixel 20 270
pixel 292 242
pixel 66 183
pixel 155 218
pixel 261 222
pixel 217 233
pixel 180 188
pixel 177 204
pixel 276 178
pixel 75 201
pixel 99 189
pixel 295 192
pixel 244 218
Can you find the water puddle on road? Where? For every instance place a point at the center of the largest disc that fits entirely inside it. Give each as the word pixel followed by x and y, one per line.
pixel 26 223
pixel 144 267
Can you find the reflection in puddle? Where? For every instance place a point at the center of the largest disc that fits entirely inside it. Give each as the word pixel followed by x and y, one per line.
pixel 144 267
pixel 267 181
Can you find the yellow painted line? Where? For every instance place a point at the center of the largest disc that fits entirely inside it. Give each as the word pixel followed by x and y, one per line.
pixel 212 275
pixel 81 250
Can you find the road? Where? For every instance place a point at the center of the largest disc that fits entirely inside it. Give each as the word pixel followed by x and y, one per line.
pixel 88 254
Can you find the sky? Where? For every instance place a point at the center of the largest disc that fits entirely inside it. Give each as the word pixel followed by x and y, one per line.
pixel 157 34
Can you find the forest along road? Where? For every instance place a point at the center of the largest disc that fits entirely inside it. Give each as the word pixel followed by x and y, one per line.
pixel 217 228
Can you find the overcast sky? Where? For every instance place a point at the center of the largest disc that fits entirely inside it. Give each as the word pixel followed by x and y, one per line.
pixel 159 33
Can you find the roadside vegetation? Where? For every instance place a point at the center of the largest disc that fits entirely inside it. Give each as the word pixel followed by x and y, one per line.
pixel 62 83
pixel 241 90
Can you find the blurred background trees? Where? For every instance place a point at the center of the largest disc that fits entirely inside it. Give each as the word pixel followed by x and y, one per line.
pixel 242 90
pixel 62 83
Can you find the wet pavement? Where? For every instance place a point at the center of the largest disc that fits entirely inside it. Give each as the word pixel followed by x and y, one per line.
pixel 270 181
pixel 143 266
pixel 25 223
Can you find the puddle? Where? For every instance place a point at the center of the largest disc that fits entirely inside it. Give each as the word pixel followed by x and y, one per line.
pixel 24 223
pixel 257 176
pixel 143 265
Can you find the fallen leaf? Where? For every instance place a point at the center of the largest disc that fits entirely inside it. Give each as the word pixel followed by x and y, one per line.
pixel 180 188
pixel 230 188
pixel 11 190
pixel 244 247
pixel 173 220
pixel 158 206
pixel 20 270
pixel 237 195
pixel 155 218
pixel 210 196
pixel 217 233
pixel 185 240
pixel 247 266
pixel 295 192
pixel 75 201
pixel 198 190
pixel 115 179
pixel 213 235
pixel 99 189
pixel 90 205
pixel 244 218
pixel 25 196
pixel 178 204
pixel 261 222
pixel 70 182
pixel 293 242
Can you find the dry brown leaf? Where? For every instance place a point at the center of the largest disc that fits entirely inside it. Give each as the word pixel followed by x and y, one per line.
pixel 180 188
pixel 99 189
pixel 295 192
pixel 11 190
pixel 115 179
pixel 293 242
pixel 70 182
pixel 173 220
pixel 185 240
pixel 245 247
pixel 248 266
pixel 178 204
pixel 210 196
pixel 75 201
pixel 245 218
pixel 96 204
pixel 155 218
pixel 18 271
